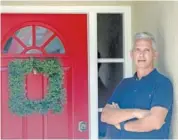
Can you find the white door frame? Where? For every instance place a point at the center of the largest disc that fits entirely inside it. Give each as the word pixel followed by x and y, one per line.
pixel 91 11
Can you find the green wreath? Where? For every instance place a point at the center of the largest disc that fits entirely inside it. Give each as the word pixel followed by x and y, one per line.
pixel 55 98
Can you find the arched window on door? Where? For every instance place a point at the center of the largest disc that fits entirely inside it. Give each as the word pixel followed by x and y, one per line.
pixel 34 40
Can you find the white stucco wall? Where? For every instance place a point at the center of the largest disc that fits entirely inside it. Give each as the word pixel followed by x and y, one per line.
pixel 161 19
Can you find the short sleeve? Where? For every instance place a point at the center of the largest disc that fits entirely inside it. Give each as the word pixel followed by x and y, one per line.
pixel 163 95
pixel 115 95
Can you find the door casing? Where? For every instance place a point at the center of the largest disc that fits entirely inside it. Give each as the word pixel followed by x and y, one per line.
pixel 91 11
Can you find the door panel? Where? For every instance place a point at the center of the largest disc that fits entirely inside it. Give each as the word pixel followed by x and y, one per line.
pixel 71 29
pixel 8 120
pixel 38 126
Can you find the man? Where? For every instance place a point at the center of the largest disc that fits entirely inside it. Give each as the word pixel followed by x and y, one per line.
pixel 141 106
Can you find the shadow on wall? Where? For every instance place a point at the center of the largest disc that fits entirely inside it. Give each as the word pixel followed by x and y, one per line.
pixel 161 51
pixel 162 67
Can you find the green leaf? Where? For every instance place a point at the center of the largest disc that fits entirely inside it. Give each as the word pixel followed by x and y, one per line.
pixel 54 100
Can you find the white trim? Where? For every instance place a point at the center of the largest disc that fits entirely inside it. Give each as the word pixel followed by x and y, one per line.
pixel 63 9
pixel 111 60
pixel 127 42
pixel 70 0
pixel 93 94
pixel 92 45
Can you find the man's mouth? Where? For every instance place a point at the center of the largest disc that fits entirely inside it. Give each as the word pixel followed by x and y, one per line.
pixel 141 60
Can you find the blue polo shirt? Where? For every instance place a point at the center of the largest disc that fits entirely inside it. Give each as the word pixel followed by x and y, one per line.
pixel 151 90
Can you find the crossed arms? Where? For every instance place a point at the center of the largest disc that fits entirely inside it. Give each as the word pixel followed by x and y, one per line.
pixel 148 120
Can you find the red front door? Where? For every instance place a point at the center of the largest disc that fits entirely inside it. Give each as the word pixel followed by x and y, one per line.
pixel 63 36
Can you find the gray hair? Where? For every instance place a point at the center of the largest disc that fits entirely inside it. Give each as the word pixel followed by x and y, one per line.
pixel 146 35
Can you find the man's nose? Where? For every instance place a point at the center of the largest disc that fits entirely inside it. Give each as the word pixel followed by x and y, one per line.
pixel 141 53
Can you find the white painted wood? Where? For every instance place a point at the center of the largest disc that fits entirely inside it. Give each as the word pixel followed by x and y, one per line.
pixel 111 60
pixel 92 46
pixel 66 0
pixel 63 9
pixel 93 74
pixel 127 42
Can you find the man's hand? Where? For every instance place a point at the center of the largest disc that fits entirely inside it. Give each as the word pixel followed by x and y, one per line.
pixel 114 105
pixel 110 115
pixel 118 126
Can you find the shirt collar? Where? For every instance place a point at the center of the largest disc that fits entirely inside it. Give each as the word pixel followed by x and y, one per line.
pixel 150 75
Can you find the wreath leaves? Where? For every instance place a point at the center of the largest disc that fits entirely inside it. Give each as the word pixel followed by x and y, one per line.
pixel 53 100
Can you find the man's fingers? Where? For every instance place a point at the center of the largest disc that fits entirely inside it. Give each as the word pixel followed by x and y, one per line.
pixel 118 126
pixel 115 105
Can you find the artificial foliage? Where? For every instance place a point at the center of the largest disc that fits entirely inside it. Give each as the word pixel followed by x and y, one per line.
pixel 53 100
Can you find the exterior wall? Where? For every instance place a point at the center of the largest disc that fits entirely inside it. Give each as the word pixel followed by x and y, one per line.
pixel 160 18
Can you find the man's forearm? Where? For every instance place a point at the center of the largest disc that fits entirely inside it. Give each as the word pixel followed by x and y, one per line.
pixel 125 114
pixel 146 124
pixel 115 116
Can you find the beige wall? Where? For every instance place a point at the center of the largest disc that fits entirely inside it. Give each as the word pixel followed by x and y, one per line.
pixel 161 18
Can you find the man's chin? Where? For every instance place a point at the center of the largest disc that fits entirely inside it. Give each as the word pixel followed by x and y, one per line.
pixel 141 66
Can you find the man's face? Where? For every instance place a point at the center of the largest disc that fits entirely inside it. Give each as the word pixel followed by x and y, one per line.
pixel 143 54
